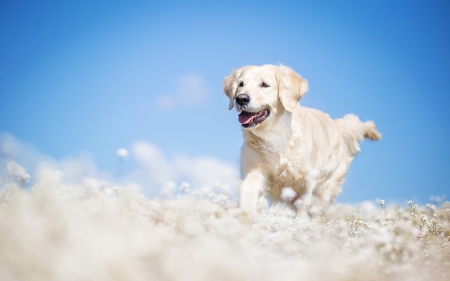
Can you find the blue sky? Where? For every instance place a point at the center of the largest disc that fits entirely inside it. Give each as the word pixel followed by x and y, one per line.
pixel 81 77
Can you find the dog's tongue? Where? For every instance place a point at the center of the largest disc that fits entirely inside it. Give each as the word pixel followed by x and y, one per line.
pixel 246 117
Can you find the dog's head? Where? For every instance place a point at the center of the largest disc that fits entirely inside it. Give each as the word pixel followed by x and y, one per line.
pixel 261 93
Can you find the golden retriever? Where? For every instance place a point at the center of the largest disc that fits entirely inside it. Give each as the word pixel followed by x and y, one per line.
pixel 290 153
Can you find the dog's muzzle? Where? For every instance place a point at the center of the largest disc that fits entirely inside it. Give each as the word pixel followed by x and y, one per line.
pixel 253 119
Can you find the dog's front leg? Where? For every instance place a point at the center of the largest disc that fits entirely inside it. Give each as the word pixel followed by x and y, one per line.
pixel 253 186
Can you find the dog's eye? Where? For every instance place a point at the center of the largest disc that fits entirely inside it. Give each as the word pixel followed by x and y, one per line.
pixel 241 84
pixel 264 85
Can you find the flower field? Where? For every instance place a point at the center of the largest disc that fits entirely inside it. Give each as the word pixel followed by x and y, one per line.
pixel 56 231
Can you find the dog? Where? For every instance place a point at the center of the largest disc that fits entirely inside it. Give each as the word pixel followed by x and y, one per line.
pixel 288 148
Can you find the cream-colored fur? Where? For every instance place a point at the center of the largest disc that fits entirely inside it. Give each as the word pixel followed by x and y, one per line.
pixel 297 147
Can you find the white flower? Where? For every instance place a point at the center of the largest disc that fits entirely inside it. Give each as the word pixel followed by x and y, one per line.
pixel 18 172
pixel 122 153
pixel 288 194
pixel 168 188
pixel 298 204
pixel 184 186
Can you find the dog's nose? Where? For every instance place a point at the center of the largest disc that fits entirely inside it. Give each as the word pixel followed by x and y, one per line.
pixel 242 99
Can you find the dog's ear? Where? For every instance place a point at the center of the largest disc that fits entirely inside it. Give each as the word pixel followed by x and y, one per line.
pixel 230 86
pixel 291 87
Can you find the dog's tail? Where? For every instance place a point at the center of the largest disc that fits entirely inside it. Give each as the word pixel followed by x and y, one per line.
pixel 354 130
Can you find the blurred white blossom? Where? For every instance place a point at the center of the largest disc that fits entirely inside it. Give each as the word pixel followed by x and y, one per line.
pixel 168 189
pixel 298 204
pixel 17 172
pixel 288 194
pixel 184 186
pixel 122 153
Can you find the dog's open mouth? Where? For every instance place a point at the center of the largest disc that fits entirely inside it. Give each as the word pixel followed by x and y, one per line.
pixel 252 119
